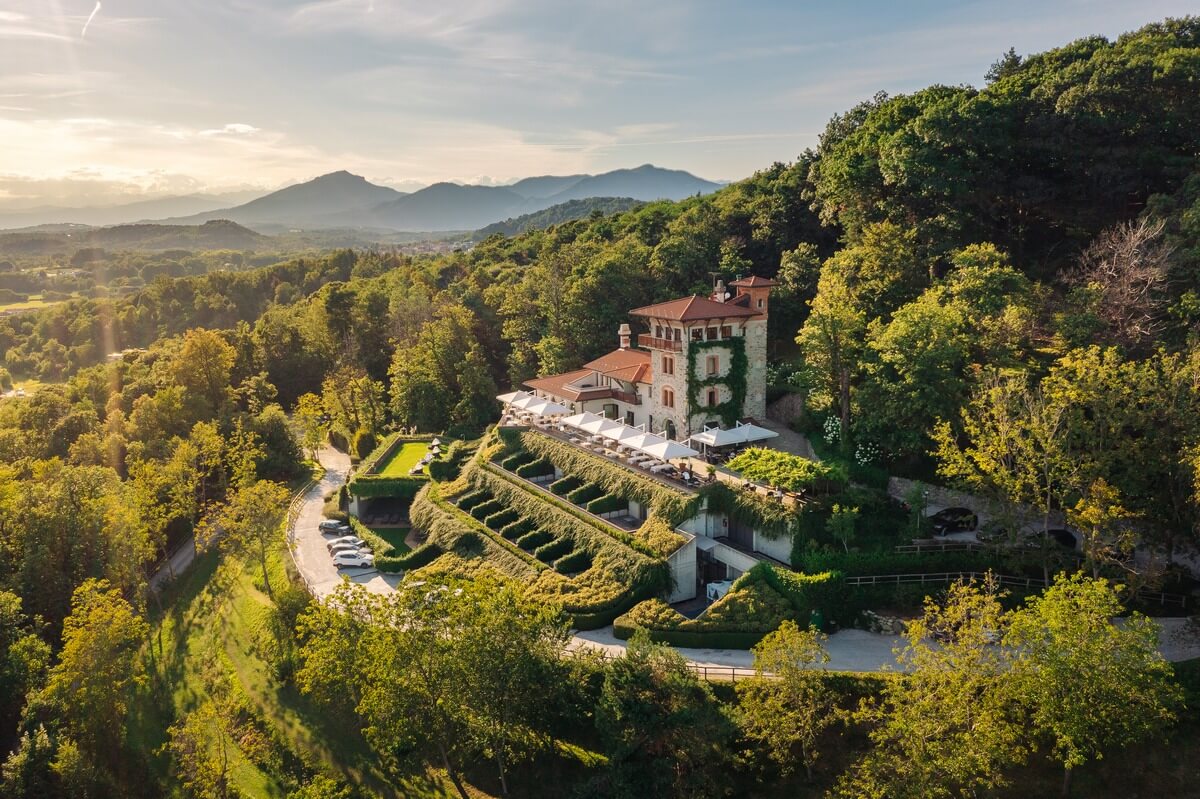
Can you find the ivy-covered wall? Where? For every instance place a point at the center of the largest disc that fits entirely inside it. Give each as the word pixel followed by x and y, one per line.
pixel 735 379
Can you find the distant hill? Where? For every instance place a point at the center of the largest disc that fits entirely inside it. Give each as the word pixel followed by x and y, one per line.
pixel 556 215
pixel 215 235
pixel 646 182
pixel 123 214
pixel 545 186
pixel 342 200
pixel 314 203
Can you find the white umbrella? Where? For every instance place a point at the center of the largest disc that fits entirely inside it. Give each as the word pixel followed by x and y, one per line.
pixel 525 401
pixel 643 440
pixel 437 442
pixel 547 408
pixel 669 450
pixel 623 434
pixel 742 434
pixel 511 396
pixel 596 424
pixel 580 419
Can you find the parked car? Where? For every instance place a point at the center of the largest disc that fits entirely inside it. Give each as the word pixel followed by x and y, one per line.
pixel 353 560
pixel 340 548
pixel 353 540
pixel 953 520
pixel 333 526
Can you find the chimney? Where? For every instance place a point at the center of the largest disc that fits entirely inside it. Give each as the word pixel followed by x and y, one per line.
pixel 624 333
pixel 719 293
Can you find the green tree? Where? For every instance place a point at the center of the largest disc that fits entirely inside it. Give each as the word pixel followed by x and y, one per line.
pixel 1090 685
pixel 250 522
pixel 311 418
pixel 664 733
pixel 842 523
pixel 203 366
pixel 788 705
pixel 832 338
pixel 97 667
pixel 949 726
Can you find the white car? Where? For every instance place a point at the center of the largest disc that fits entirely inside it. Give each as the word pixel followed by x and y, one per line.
pixel 353 560
pixel 333 526
pixel 340 548
pixel 353 540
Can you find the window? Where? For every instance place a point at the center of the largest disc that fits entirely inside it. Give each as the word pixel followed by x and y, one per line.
pixel 668 367
pixel 668 398
pixel 629 418
pixel 712 398
pixel 712 334
pixel 679 334
pixel 726 331
pixel 761 303
pixel 697 334
pixel 713 365
pixel 658 331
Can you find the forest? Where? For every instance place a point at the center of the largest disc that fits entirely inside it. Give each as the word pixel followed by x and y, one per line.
pixel 993 288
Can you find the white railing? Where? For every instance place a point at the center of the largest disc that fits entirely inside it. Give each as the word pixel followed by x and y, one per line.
pixel 293 514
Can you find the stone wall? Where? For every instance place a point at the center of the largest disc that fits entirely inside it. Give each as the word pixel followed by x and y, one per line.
pixel 756 369
pixel 942 497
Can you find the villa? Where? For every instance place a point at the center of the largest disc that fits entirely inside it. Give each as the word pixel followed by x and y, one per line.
pixel 702 363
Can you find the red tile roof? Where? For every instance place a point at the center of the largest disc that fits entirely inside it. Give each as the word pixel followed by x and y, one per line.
pixel 754 281
pixel 691 309
pixel 618 359
pixel 557 384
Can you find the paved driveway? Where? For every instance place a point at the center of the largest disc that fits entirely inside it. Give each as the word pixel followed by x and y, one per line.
pixel 312 559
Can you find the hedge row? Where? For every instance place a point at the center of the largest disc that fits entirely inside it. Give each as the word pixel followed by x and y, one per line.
pixel 584 494
pixel 486 509
pixel 402 487
pixel 446 526
pixel 751 609
pixel 501 519
pixel 450 464
pixel 549 512
pixel 551 552
pixel 578 561
pixel 531 541
pixel 884 562
pixel 517 460
pixel 517 529
pixel 607 504
pixel 674 505
pixel 386 558
pixel 535 468
pixel 565 485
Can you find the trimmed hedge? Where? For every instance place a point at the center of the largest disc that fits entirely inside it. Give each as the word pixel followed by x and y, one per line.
pixel 866 563
pixel 565 485
pixel 585 494
pixel 403 487
pixel 825 591
pixel 386 559
pixel 607 504
pixel 531 541
pixel 517 529
pixel 535 468
pixel 577 561
pixel 675 505
pixel 500 520
pixel 473 498
pixel 517 460
pixel 486 509
pixel 448 528
pixel 751 609
pixel 549 553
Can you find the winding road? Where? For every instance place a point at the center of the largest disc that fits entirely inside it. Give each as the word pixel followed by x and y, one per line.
pixel 849 650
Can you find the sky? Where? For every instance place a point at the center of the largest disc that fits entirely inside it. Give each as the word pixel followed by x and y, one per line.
pixel 159 97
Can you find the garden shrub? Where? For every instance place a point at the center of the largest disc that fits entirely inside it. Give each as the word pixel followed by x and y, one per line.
pixel 531 541
pixel 364 443
pixel 517 459
pixel 536 468
pixel 374 485
pixel 516 529
pixel 769 518
pixel 751 609
pixel 658 537
pixel 576 562
pixel 607 504
pixel 585 494
pixel 549 553
pixel 486 509
pixel 448 528
pixel 498 521
pixel 473 498
pixel 565 485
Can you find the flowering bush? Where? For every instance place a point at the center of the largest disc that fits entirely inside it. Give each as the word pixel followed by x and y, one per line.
pixel 866 453
pixel 833 430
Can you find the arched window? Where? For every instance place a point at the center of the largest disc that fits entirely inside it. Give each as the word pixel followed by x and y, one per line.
pixel 712 398
pixel 668 398
pixel 669 429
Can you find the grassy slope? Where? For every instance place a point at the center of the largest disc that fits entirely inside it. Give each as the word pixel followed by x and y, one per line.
pixel 214 619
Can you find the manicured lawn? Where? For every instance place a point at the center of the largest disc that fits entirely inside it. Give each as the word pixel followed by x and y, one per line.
pixel 404 459
pixel 34 302
pixel 394 536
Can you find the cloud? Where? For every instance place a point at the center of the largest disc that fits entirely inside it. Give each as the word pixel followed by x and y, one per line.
pixel 91 17
pixel 231 129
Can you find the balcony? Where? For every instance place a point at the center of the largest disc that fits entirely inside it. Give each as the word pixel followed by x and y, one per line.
pixel 627 397
pixel 652 343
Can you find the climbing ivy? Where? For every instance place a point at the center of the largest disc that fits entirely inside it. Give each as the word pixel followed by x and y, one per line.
pixel 731 410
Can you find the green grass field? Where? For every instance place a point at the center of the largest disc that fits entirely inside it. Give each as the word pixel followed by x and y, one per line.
pixel 34 302
pixel 404 459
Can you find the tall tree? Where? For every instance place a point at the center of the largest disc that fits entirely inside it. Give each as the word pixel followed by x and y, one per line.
pixel 203 366
pixel 832 337
pixel 788 705
pixel 250 522
pixel 1090 685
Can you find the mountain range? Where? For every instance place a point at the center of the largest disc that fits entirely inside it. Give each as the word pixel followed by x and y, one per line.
pixel 342 200
pixel 124 213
